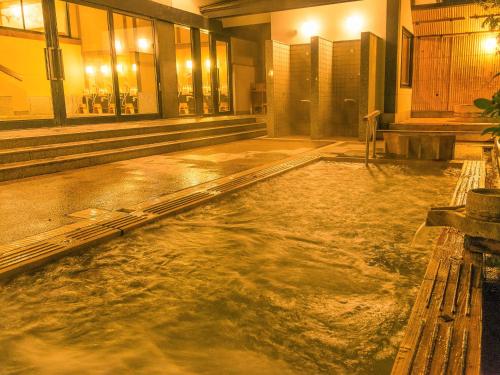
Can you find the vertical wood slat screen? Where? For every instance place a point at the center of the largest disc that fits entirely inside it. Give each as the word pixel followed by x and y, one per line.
pixel 452 70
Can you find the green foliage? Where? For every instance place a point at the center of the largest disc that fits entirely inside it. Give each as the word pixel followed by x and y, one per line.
pixel 491 108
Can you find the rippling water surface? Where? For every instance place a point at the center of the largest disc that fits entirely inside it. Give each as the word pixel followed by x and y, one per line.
pixel 307 273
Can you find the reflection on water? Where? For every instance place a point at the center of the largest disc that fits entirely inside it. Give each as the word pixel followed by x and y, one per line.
pixel 307 273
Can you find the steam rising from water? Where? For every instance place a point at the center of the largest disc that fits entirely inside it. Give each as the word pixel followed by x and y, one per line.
pixel 307 273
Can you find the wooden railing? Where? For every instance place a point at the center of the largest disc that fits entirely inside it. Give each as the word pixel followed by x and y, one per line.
pixel 371 134
pixel 11 73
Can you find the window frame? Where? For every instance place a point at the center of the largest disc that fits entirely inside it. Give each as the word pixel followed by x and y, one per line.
pixel 406 34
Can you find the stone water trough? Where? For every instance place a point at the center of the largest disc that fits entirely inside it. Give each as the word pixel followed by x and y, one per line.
pixel 479 219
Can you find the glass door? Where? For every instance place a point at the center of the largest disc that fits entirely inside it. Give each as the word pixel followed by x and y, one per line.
pixel 135 64
pixel 84 38
pixel 25 74
pixel 222 75
pixel 206 73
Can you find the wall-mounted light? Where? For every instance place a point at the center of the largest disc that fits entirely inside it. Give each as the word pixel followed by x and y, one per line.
pixel 189 64
pixel 90 70
pixel 490 45
pixel 143 44
pixel 120 68
pixel 310 28
pixel 134 67
pixel 354 24
pixel 208 63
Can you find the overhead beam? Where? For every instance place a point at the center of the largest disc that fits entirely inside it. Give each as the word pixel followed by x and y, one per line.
pixel 230 8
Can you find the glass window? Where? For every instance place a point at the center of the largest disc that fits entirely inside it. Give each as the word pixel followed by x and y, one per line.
pixel 27 14
pixel 88 87
pixel 135 64
pixel 206 68
pixel 25 91
pixel 184 61
pixel 406 59
pixel 62 18
pixel 33 15
pixel 11 14
pixel 223 76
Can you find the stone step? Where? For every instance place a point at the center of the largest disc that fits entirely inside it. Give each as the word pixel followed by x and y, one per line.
pixel 14 171
pixel 14 155
pixel 100 131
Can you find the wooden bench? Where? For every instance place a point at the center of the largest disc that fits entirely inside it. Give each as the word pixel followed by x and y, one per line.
pixel 422 145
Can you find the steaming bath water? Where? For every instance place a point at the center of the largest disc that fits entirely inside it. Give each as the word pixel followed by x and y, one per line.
pixel 306 273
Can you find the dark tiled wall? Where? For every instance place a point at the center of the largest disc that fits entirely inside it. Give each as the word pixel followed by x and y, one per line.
pixel 300 86
pixel 322 87
pixel 346 88
pixel 278 88
pixel 372 81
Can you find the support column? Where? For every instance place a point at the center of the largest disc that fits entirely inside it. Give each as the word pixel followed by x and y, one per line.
pixel 167 68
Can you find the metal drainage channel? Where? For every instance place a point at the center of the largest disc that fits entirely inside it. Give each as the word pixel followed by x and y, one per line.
pixel 27 254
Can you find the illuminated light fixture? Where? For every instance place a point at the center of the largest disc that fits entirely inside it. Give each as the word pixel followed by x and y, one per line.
pixel 120 68
pixel 14 11
pixel 309 29
pixel 105 69
pixel 189 64
pixel 90 70
pixel 143 44
pixel 208 63
pixel 490 45
pixel 354 24
pixel 134 67
pixel 118 46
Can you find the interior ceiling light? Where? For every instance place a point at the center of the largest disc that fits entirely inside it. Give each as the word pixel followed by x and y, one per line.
pixel 143 44
pixel 90 70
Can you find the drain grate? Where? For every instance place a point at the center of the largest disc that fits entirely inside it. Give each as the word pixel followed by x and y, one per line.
pixel 21 254
pixel 176 204
pixel 90 233
pixel 126 223
pixel 263 174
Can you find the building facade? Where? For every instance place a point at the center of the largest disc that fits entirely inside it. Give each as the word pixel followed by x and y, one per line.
pixel 73 62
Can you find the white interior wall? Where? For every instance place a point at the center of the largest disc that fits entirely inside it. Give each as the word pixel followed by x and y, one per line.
pixel 187 5
pixel 331 21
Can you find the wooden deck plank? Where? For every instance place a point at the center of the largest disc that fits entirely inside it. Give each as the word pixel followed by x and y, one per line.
pixel 443 335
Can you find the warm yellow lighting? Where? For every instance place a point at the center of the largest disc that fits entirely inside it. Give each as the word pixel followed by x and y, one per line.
pixel 354 24
pixel 189 64
pixel 90 70
pixel 310 28
pixel 15 11
pixel 490 45
pixel 143 44
pixel 33 16
pixel 208 63
pixel 120 68
pixel 106 70
pixel 118 46
pixel 134 67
